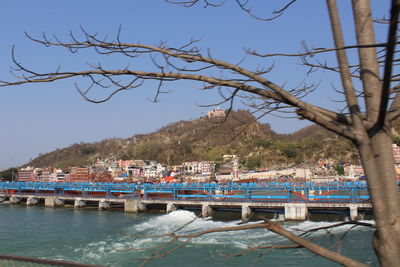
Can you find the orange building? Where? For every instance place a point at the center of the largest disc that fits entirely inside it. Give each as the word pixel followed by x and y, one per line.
pixel 78 174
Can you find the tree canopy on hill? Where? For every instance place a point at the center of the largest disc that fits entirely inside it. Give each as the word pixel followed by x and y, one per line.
pixel 208 139
pixel 9 174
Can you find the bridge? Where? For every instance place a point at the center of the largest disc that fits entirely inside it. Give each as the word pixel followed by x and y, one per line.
pixel 294 200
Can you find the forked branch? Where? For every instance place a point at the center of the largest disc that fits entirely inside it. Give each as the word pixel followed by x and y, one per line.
pixel 299 242
pixel 184 63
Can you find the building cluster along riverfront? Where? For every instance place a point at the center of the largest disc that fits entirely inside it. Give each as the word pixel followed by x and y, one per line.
pixel 229 169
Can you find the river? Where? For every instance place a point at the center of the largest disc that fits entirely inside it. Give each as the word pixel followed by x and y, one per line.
pixel 110 238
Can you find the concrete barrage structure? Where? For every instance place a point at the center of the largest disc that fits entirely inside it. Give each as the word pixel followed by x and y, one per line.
pixel 294 201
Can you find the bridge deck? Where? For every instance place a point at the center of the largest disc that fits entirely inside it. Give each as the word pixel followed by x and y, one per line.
pixel 348 192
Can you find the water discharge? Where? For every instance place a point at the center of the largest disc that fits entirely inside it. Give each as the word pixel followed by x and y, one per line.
pixel 112 238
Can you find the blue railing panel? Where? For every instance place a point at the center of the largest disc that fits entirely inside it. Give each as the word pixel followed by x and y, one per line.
pixel 229 196
pixel 296 192
pixel 271 197
pixel 197 196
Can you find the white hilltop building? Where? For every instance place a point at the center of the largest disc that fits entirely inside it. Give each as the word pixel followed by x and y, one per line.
pixel 216 113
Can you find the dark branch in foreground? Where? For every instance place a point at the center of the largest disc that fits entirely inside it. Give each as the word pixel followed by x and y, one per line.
pixel 300 242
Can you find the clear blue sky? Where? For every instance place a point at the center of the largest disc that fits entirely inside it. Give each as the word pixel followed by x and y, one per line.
pixel 40 118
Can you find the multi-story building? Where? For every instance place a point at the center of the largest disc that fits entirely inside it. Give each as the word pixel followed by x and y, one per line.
pixel 43 174
pixel 37 174
pixel 153 169
pixel 189 167
pixel 100 177
pixel 78 174
pixel 134 171
pixel 60 176
pixel 198 167
pixel 206 167
pixel 26 174
pixel 124 164
pixel 150 172
pixel 131 168
pixel 116 172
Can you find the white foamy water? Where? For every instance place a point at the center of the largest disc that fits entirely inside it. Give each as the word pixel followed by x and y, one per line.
pixel 139 236
pixel 110 239
pixel 170 222
pixel 164 224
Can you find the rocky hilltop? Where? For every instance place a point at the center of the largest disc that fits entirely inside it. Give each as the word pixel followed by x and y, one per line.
pixel 208 139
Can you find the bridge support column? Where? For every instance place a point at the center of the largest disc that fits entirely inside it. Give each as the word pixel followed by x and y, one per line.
pixel 59 202
pixel 134 205
pixel 206 210
pixel 49 201
pixel 31 201
pixel 353 212
pixel 104 205
pixel 171 207
pixel 246 212
pixel 15 200
pixel 79 203
pixel 52 202
pixel 296 211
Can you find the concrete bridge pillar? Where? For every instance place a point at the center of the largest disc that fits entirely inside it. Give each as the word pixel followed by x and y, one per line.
pixel 134 205
pixel 31 201
pixel 79 203
pixel 296 211
pixel 52 202
pixel 104 205
pixel 171 207
pixel 59 202
pixel 49 201
pixel 353 212
pixel 246 212
pixel 15 200
pixel 206 210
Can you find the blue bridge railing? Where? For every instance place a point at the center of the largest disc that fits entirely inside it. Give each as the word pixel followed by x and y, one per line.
pixel 273 192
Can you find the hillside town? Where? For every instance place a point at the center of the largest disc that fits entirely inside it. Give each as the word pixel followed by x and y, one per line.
pixel 135 170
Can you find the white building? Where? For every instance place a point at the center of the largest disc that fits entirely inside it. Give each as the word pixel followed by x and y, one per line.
pixel 216 113
pixel 199 167
pixel 153 169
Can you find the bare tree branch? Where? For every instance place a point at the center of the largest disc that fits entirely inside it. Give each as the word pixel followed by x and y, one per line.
pixel 243 4
pixel 298 240
pixel 191 55
pixel 312 246
pixel 391 46
pixel 314 52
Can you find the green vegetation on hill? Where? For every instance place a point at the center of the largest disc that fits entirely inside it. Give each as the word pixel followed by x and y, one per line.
pixel 208 139
pixel 8 175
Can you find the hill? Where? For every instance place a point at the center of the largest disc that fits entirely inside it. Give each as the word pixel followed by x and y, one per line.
pixel 208 139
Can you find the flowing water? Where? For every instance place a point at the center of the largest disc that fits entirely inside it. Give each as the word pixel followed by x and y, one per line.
pixel 110 238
